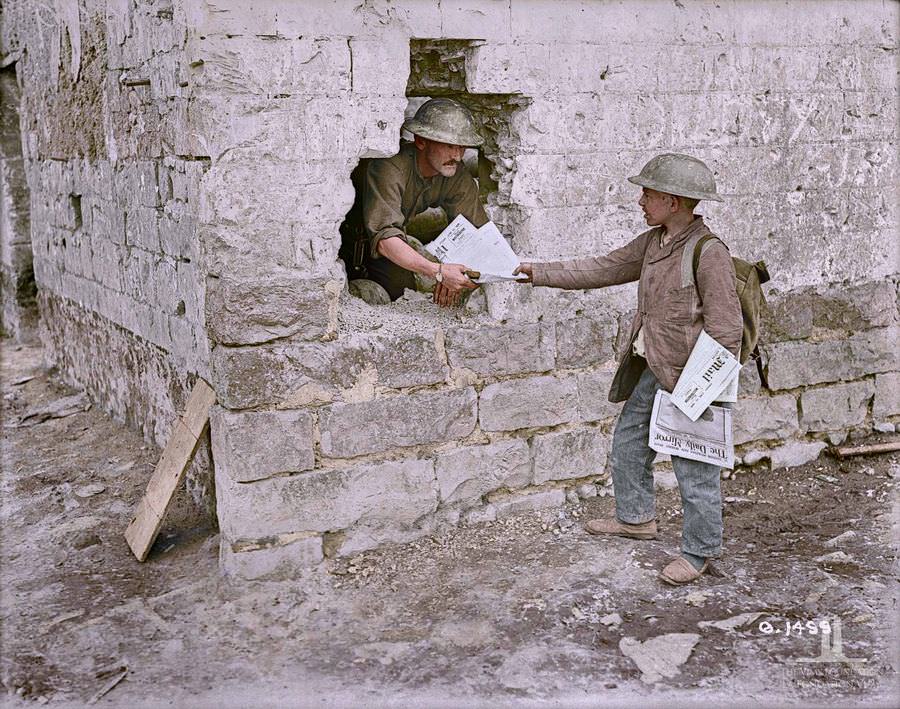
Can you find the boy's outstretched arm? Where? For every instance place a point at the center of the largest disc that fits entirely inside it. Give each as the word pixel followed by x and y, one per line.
pixel 620 266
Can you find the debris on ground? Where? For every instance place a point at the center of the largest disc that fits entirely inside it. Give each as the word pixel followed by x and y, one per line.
pixel 61 408
pixel 661 656
pixel 501 611
pixel 734 623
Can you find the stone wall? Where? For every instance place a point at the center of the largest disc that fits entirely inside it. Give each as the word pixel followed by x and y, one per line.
pixel 113 201
pixel 232 129
pixel 384 434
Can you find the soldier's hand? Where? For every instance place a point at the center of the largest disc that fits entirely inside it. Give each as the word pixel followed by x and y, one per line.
pixel 455 281
pixel 526 269
pixel 455 278
pixel 444 297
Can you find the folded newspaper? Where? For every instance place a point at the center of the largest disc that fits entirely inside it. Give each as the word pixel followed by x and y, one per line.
pixel 483 249
pixel 708 439
pixel 710 371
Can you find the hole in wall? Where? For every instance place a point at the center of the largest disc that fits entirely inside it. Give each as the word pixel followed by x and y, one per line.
pixel 438 69
pixel 75 204
pixel 18 289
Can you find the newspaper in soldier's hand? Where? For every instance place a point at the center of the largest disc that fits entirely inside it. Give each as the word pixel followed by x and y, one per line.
pixel 708 372
pixel 708 439
pixel 483 250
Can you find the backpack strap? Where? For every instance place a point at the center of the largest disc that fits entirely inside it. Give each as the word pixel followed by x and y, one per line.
pixel 690 257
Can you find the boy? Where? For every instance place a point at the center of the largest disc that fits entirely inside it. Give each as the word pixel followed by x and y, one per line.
pixel 668 321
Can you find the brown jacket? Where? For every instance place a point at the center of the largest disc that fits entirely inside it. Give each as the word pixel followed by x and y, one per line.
pixel 670 313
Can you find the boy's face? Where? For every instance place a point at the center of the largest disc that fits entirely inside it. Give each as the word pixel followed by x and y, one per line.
pixel 657 206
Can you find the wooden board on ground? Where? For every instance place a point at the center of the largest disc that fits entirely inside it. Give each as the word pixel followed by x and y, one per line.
pixel 170 470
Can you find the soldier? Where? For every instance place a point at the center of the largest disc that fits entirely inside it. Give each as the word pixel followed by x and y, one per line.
pixel 391 191
pixel 666 326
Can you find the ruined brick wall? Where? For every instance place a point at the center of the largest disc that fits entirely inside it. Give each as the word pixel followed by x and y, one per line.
pixel 341 426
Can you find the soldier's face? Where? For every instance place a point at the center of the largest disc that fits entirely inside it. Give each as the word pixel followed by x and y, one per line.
pixel 439 158
pixel 657 206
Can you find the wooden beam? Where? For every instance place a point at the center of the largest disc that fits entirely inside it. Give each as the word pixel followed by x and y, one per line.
pixel 870 449
pixel 170 470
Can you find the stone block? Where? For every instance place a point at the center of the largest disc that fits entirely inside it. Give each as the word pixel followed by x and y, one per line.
pixel 298 129
pixel 276 192
pixel 584 341
pixel 381 494
pixel 409 360
pixel 142 228
pixel 593 395
pixel 794 364
pixel 795 454
pixel 815 311
pixel 517 503
pixel 248 377
pixel 502 349
pixel 270 66
pixel 476 19
pixel 569 454
pixel 178 231
pixel 528 403
pixel 764 418
pixel 508 68
pixel 887 395
pixel 465 474
pixel 368 62
pixel 835 407
pixel 254 445
pixel 281 556
pixel 244 311
pixel 252 249
pixel 383 424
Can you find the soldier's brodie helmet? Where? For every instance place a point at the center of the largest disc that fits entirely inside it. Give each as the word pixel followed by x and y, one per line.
pixel 445 121
pixel 680 175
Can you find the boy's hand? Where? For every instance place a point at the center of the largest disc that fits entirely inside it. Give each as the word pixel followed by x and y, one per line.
pixel 526 269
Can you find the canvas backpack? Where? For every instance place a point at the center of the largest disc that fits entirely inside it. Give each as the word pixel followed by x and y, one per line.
pixel 749 280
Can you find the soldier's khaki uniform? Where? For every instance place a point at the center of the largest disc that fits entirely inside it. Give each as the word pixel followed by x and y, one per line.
pixel 389 193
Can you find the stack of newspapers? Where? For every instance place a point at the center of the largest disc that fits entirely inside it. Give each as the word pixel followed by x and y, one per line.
pixel 686 422
pixel 483 249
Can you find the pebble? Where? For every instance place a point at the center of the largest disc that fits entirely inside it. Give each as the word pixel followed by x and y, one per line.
pixel 840 538
pixel 90 490
pixel 835 557
pixel 587 490
pixel 611 619
pixel 753 457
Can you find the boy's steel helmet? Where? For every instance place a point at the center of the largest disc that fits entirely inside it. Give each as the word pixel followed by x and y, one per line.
pixel 446 121
pixel 680 175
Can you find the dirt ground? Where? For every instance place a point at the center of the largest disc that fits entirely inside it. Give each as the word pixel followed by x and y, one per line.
pixel 527 611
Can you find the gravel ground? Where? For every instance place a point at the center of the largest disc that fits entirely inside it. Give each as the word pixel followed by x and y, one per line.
pixel 526 611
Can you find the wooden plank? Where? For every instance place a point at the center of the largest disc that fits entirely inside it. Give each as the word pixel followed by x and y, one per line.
pixel 869 449
pixel 170 470
pixel 196 412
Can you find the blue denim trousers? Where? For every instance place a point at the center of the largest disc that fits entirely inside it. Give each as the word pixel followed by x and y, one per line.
pixel 632 474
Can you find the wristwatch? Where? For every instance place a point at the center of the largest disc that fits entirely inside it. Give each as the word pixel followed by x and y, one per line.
pixel 439 277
